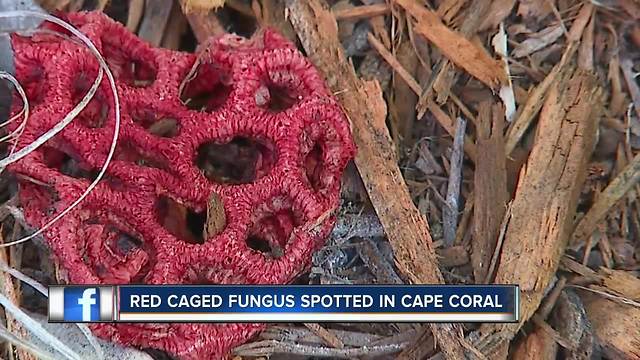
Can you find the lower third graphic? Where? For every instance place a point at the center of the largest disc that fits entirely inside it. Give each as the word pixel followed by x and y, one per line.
pixel 81 303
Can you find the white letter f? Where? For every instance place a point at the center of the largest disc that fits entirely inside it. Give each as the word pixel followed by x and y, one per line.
pixel 87 301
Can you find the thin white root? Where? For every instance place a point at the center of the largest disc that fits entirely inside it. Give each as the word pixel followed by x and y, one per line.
pixel 36 329
pixel 24 112
pixel 104 68
pixel 41 289
pixel 6 335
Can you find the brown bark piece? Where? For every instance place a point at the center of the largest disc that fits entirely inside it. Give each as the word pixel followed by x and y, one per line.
pixel 498 11
pixel 154 21
pixel 216 217
pixel 376 161
pixel 461 51
pixel 176 28
pixel 447 75
pixel 363 11
pixel 547 193
pixel 621 282
pixel 201 5
pixel 619 335
pixel 606 200
pixel 536 345
pixel 490 188
pixel 203 23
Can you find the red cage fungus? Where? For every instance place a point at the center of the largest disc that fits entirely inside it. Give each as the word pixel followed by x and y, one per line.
pixel 252 121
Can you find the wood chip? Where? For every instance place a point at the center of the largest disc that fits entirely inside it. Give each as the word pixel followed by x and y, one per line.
pixel 547 193
pixel 440 116
pixel 406 228
pixel 538 41
pixel 621 282
pixel 618 335
pixel 216 217
pixel 136 10
pixel 537 344
pixel 461 51
pixel 607 199
pixel 490 188
pixel 360 12
pixel 156 17
pixel 498 11
pixel 190 6
pixel 176 28
pixel 204 24
pixel 447 75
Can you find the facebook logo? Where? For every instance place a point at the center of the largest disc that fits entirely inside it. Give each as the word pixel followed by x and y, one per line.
pixel 80 303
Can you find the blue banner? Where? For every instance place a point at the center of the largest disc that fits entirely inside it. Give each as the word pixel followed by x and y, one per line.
pixel 317 303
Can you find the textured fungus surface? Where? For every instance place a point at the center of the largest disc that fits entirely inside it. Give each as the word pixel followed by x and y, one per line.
pixel 253 123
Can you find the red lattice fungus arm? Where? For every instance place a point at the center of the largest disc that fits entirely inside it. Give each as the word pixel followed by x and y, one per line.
pixel 253 122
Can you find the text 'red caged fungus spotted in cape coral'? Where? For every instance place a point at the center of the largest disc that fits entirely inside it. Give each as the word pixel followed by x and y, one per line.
pixel 249 121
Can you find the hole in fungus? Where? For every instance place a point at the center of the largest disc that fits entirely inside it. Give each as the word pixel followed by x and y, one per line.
pixel 125 243
pixel 258 244
pixel 126 151
pixel 272 227
pixel 67 165
pixel 208 90
pixel 275 98
pixel 238 20
pixel 117 256
pixel 181 221
pixel 240 161
pixel 133 66
pixel 313 166
pixel 157 124
pixel 94 115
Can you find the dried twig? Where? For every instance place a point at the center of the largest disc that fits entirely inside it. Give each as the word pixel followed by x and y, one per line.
pixel 326 335
pixel 450 211
pixel 269 347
